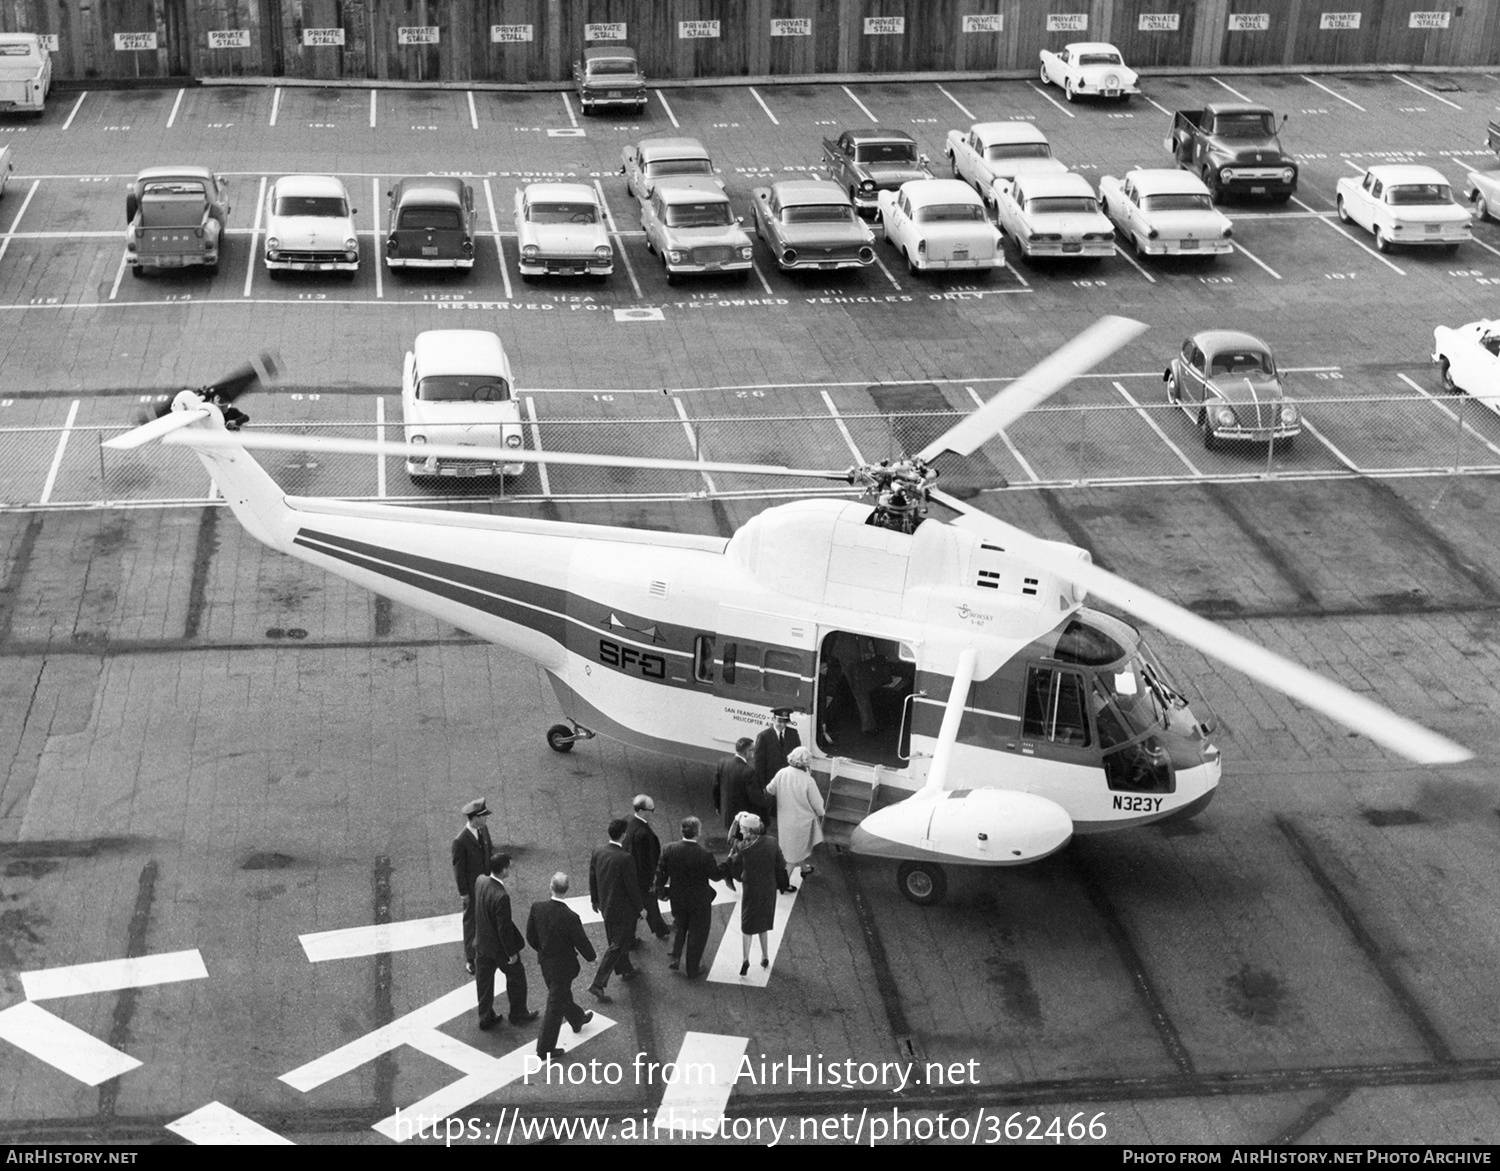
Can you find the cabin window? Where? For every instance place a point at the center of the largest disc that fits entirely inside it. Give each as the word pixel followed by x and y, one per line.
pixel 729 665
pixel 1055 709
pixel 703 658
pixel 783 673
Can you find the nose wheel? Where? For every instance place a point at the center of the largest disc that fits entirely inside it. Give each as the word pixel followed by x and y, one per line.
pixel 922 882
pixel 562 737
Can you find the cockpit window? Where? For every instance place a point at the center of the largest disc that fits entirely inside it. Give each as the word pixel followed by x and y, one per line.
pixel 1081 643
pixel 1055 708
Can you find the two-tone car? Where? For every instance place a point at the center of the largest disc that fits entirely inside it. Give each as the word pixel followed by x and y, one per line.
pixel 811 223
pixel 1165 213
pixel 1404 204
pixel 690 224
pixel 1468 359
pixel 609 75
pixel 1089 69
pixel 941 225
pixel 991 152
pixel 310 227
pixel 431 223
pixel 1053 215
pixel 1227 383
pixel 653 159
pixel 866 162
pixel 1481 188
pixel 560 231
pixel 456 389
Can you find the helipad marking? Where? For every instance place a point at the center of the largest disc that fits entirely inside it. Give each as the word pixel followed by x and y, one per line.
pixel 695 1102
pixel 566 132
pixel 652 314
pixel 726 968
pixel 61 1045
pixel 112 975
pixel 362 1050
pixel 379 938
pixel 217 1125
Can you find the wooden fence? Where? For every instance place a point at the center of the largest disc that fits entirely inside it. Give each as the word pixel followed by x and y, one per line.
pixel 532 41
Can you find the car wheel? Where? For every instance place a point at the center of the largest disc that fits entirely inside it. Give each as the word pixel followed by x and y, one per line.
pixel 1282 445
pixel 1445 372
pixel 1045 79
pixel 953 162
pixel 1450 249
pixel 1211 181
pixel 922 882
pixel 274 273
pixel 1481 208
pixel 1210 440
pixel 1382 243
pixel 1140 246
pixel 745 277
pixel 1068 91
pixel 1343 212
pixel 1174 389
pixel 137 271
pixel 560 738
pixel 911 265
pixel 212 269
pixel 528 278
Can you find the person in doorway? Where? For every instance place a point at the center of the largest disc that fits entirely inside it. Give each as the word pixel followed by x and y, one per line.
pixel 799 809
pixel 761 870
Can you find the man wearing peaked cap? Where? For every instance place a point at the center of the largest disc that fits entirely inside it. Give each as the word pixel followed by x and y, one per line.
pixel 471 858
pixel 772 745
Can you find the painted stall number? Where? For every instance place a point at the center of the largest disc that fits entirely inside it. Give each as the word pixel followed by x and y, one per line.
pixel 1465 272
pixel 1339 276
pixel 1216 280
pixel 602 398
pixel 1412 109
pixel 749 394
pixel 312 398
pixel 46 301
pixel 114 128
pixel 1089 284
pixel 1122 115
pixel 1314 110
pixel 725 125
pixel 424 127
pixel 831 122
pixel 924 121
pixel 7 402
pixel 1487 280
pixel 178 297
pixel 312 296
pixel 443 297
pixel 1327 375
pixel 322 125
pixel 93 178
pixel 220 125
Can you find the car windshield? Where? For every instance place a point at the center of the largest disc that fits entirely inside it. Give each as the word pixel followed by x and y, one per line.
pixel 1062 205
pixel 659 167
pixel 315 205
pixel 1256 125
pixel 1242 362
pixel 886 152
pixel 612 65
pixel 1018 150
pixel 948 213
pixel 1179 201
pixel 435 218
pixel 698 215
pixel 463 388
pixel 1100 59
pixel 818 213
pixel 562 213
pixel 1418 193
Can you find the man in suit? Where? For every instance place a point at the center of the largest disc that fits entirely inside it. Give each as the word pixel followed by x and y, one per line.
pixel 555 932
pixel 471 858
pixel 736 787
pixel 644 848
pixel 771 747
pixel 683 875
pixel 616 894
pixel 497 944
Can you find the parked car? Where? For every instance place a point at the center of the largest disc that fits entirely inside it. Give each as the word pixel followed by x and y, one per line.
pixel 609 75
pixel 999 151
pixel 25 72
pixel 1089 67
pixel 689 223
pixel 560 231
pixel 456 389
pixel 652 159
pixel 1403 204
pixel 940 225
pixel 810 223
pixel 1054 215
pixel 175 218
pixel 867 162
pixel 431 223
pixel 1481 188
pixel 1165 213
pixel 1227 383
pixel 310 227
pixel 1468 359
pixel 7 166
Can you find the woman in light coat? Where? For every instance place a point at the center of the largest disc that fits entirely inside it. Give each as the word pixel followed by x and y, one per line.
pixel 799 810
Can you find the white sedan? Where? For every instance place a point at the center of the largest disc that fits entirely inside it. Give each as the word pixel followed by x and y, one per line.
pixel 310 227
pixel 1053 215
pixel 1468 359
pixel 560 231
pixel 940 224
pixel 1166 213
pixel 1089 68
pixel 1404 204
pixel 456 389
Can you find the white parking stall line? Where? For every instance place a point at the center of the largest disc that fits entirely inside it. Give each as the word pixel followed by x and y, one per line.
pixel 1058 104
pixel 536 445
pixel 25 203
pixel 859 103
pixel 380 438
pixel 57 457
pixel 843 430
pixel 568 106
pixel 74 111
pixel 1482 244
pixel 968 113
pixel 1358 170
pixel 1159 106
pixel 275 104
pixel 375 249
pixel 692 438
pixel 114 289
pixel 489 198
pixel 372 108
pixel 614 230
pixel 1397 269
pixel 177 105
pixel 1428 92
pixel 260 207
pixel 693 1103
pixel 662 98
pixel 726 965
pixel 774 120
pixel 765 284
pixel 1134 263
pixel 1160 434
pixel 1016 272
pixel 1240 248
pixel 1011 447
pixel 217 1125
pixel 1442 406
pixel 65 1046
pixel 1230 88
pixel 895 284
pixel 1337 454
pixel 473 113
pixel 1334 93
pixel 113 975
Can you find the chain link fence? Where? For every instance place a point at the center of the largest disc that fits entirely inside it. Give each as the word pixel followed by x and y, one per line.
pixel 1057 447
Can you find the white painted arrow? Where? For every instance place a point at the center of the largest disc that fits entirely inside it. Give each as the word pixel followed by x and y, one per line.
pixel 726 969
pixel 702 1080
pixel 216 1125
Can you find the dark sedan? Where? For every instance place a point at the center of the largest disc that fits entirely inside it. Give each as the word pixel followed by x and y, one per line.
pixel 431 224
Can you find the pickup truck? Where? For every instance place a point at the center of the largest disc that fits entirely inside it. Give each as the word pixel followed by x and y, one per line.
pixel 1233 147
pixel 176 219
pixel 867 162
pixel 990 151
pixel 25 72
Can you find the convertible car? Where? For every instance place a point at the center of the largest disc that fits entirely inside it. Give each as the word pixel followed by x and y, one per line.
pixel 1090 68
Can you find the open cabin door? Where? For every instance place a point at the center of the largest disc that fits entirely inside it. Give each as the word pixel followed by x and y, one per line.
pixel 760 661
pixel 866 697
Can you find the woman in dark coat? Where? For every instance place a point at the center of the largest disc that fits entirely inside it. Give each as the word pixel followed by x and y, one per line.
pixel 761 870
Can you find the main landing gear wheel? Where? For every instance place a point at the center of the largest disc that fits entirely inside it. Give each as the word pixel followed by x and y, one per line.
pixel 922 882
pixel 562 737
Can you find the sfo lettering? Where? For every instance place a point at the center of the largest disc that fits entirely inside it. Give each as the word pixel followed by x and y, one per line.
pixel 627 658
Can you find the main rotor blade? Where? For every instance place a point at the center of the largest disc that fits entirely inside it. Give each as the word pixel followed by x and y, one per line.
pixel 1402 736
pixel 272 441
pixel 155 429
pixel 1043 380
pixel 260 370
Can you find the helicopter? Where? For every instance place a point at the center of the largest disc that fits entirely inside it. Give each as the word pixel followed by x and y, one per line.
pixel 966 705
